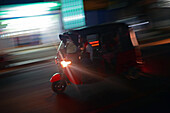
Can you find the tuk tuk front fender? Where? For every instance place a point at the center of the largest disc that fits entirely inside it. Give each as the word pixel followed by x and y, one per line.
pixel 55 77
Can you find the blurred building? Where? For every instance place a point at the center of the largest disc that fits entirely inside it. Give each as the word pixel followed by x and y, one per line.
pixel 29 24
pixel 25 24
pixel 103 11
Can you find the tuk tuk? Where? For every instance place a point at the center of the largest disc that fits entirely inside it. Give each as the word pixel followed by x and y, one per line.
pixel 104 49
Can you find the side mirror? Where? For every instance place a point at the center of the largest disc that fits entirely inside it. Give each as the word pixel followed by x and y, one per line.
pixel 56 60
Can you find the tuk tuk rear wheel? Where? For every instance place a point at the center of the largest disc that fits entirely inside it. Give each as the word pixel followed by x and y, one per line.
pixel 59 86
pixel 133 74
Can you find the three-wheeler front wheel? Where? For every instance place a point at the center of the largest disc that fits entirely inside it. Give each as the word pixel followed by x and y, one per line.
pixel 59 86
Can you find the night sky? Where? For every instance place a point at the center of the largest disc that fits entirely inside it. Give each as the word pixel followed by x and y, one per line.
pixel 7 2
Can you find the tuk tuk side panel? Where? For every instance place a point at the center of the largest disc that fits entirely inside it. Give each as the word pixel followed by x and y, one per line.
pixel 125 61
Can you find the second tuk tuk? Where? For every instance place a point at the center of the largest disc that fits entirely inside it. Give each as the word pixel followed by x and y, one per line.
pixel 102 49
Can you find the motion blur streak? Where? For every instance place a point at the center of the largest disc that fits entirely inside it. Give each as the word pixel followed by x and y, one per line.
pixel 161 42
pixel 139 24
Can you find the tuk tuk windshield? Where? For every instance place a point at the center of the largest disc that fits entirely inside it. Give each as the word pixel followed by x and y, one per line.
pixel 68 48
pixel 71 47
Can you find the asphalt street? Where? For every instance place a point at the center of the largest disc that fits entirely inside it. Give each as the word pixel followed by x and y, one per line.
pixel 28 90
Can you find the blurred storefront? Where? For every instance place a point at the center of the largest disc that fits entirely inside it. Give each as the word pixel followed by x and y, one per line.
pixel 29 24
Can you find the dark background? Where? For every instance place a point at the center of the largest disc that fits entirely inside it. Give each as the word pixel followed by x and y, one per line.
pixel 6 2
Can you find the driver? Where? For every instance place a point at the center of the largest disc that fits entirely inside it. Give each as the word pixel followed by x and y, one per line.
pixel 72 51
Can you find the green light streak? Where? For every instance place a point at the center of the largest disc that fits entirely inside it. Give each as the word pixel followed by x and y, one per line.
pixel 32 9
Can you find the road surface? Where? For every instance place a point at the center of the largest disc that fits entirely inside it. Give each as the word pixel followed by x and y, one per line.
pixel 28 90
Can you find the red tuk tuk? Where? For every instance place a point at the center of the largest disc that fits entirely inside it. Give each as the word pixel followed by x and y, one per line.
pixel 107 49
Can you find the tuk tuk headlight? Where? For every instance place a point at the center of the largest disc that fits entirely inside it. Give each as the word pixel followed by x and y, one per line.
pixel 65 63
